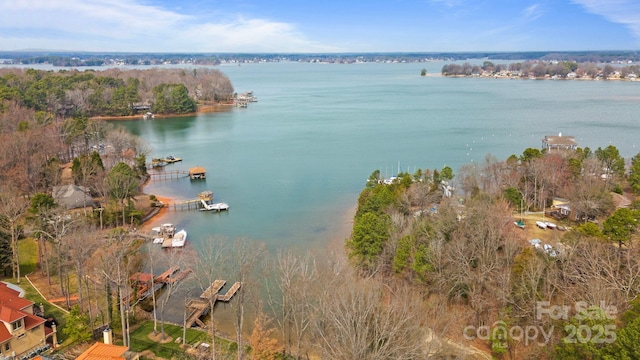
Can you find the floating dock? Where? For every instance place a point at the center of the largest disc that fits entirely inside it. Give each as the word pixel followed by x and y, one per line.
pixel 232 291
pixel 164 161
pixel 213 289
pixel 197 308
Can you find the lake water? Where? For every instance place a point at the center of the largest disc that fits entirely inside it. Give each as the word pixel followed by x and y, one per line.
pixel 292 164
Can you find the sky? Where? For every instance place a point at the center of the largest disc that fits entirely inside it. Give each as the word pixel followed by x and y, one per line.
pixel 325 26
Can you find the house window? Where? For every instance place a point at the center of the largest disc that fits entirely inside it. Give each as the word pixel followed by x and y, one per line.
pixel 21 336
pixel 7 347
pixel 17 325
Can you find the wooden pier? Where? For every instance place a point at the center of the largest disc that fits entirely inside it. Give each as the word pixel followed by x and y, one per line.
pixel 197 308
pixel 181 275
pixel 142 282
pixel 168 175
pixel 165 276
pixel 213 289
pixel 164 161
pixel 232 291
pixel 190 204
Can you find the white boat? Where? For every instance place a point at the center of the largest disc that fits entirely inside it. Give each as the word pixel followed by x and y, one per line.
pixel 541 224
pixel 550 225
pixel 220 206
pixel 179 238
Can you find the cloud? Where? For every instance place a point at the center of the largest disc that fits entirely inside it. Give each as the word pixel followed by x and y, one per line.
pixel 447 3
pixel 532 12
pixel 129 25
pixel 625 12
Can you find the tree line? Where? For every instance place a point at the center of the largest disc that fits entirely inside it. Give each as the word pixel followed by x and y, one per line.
pixel 113 92
pixel 464 251
pixel 539 69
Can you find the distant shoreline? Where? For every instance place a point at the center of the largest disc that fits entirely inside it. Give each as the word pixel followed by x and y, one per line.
pixel 531 78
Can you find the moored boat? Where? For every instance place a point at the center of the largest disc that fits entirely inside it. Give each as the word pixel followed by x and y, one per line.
pixel 219 206
pixel 179 238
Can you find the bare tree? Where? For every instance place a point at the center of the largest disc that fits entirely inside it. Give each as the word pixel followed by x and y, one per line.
pixel 246 257
pixel 479 256
pixel 82 243
pixel 361 319
pixel 175 258
pixel 292 297
pixel 12 207
pixel 117 257
pixel 211 264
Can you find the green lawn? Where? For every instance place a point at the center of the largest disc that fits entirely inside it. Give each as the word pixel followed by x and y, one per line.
pixel 140 340
pixel 28 251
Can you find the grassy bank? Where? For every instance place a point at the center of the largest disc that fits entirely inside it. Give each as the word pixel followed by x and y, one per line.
pixel 141 341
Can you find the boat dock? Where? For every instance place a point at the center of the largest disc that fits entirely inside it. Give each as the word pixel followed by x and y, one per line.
pixel 165 276
pixel 232 291
pixel 204 201
pixel 166 175
pixel 197 172
pixel 213 289
pixel 142 282
pixel 181 275
pixel 164 161
pixel 197 308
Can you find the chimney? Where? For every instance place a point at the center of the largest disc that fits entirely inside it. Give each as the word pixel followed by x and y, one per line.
pixel 54 328
pixel 108 336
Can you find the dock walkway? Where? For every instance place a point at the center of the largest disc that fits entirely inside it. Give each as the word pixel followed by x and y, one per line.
pixel 165 175
pixel 165 276
pixel 181 275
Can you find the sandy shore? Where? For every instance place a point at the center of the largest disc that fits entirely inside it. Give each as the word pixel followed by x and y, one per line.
pixel 147 225
pixel 336 244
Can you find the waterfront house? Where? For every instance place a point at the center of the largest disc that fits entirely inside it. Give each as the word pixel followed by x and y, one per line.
pixel 22 333
pixel 559 143
pixel 72 196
